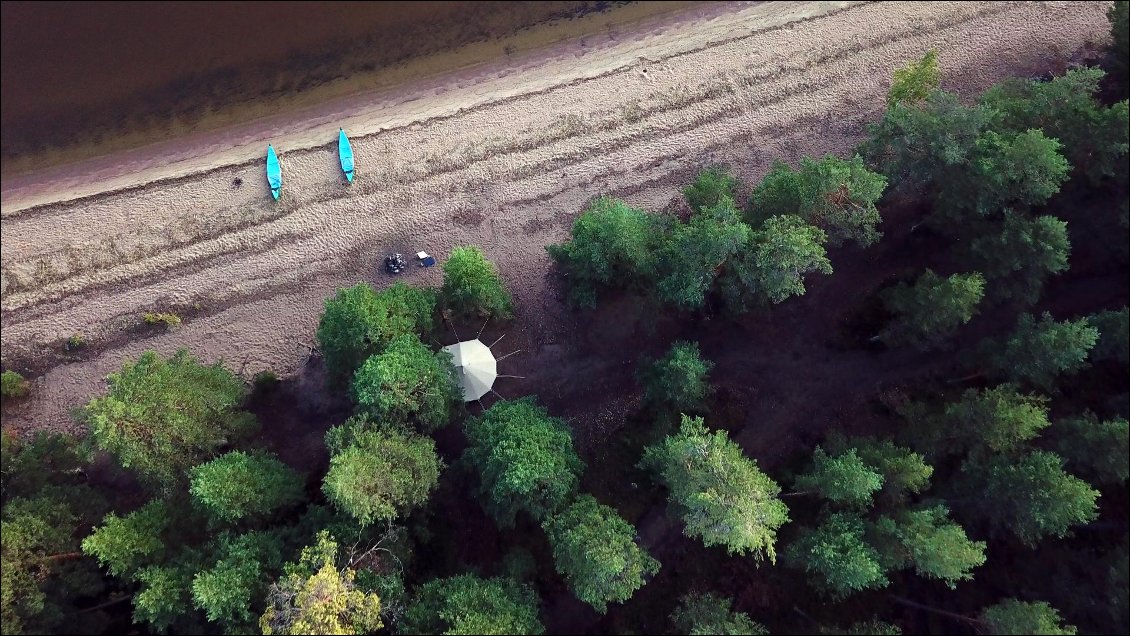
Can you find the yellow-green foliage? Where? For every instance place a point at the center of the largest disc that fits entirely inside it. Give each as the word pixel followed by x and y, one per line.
pixel 913 82
pixel 170 320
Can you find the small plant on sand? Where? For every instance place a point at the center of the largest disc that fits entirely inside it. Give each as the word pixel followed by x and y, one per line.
pixel 168 319
pixel 13 385
pixel 75 342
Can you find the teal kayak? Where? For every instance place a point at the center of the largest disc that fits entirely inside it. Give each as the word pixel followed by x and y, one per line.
pixel 274 172
pixel 345 153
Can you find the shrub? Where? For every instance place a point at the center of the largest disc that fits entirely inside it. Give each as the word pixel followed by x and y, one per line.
pixel 13 385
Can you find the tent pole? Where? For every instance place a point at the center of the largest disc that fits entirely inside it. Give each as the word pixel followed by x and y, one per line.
pixel 496 341
pixel 483 327
pixel 498 394
pixel 520 377
pixel 507 355
pixel 452 325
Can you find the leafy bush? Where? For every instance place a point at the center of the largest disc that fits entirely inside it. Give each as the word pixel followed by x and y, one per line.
pixel 928 312
pixel 359 322
pixel 709 187
pixel 677 381
pixel 472 287
pixel 408 383
pixel 467 604
pixel 913 83
pixel 13 385
pixel 169 320
pixel 238 485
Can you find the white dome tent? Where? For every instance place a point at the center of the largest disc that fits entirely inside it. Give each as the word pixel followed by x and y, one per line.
pixel 476 366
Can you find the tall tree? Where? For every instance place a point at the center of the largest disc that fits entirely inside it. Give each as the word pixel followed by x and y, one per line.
pixel 927 540
pixel 1094 137
pixel 837 557
pixel 408 383
pixel 836 195
pixel 1113 342
pixel 1040 351
pixel 612 246
pixel 904 472
pixel 706 614
pixel 721 495
pixel 694 252
pixel 227 590
pixel 162 417
pixel 472 286
pixel 999 418
pixel 842 478
pixel 123 545
pixel 382 473
pixel 1094 448
pixel 239 485
pixel 928 312
pixel 786 249
pixel 525 460
pixel 1019 255
pixel 317 597
pixel 596 553
pixel 709 187
pixel 466 604
pixel 359 322
pixel 1017 617
pixel 1030 496
pixel 677 381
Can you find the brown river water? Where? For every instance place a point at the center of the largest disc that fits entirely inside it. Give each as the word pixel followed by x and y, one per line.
pixel 83 79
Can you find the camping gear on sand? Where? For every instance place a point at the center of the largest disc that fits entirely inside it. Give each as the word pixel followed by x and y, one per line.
pixel 425 259
pixel 476 367
pixel 274 172
pixel 345 154
pixel 394 264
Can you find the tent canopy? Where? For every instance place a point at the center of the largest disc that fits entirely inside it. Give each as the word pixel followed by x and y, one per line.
pixel 476 366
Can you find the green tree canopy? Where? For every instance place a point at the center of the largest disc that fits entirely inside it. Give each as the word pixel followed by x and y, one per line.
pixel 1031 496
pixel 1094 137
pixel 239 485
pixel 525 460
pixel 612 246
pixel 408 383
pixel 596 553
pixel 904 472
pixel 239 577
pixel 677 381
pixel 720 494
pixel 926 539
pixel 317 597
pixel 837 557
pixel 694 252
pixel 1019 255
pixel 836 195
pixel 33 533
pixel 161 417
pixel 928 312
pixel 1113 342
pixel 786 249
pixel 359 322
pixel 708 614
pixel 1038 352
pixel 1017 617
pixel 124 544
pixel 472 286
pixel 383 473
pixel 1094 448
pixel 842 478
pixel 913 83
pixel 998 418
pixel 164 597
pixel 466 604
pixel 709 187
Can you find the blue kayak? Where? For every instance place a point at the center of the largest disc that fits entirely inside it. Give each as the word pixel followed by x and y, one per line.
pixel 274 172
pixel 345 152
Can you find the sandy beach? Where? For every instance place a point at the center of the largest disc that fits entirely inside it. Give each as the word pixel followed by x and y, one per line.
pixel 503 155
